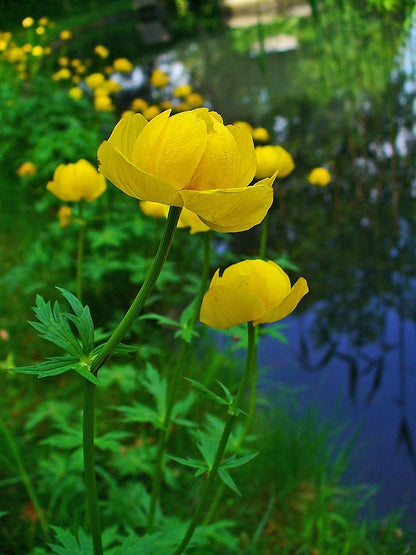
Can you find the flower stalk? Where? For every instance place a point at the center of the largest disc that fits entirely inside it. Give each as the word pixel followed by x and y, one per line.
pixel 210 484
pixel 173 387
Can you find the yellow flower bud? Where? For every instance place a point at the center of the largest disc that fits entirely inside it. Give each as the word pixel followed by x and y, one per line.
pixel 64 216
pixel 151 112
pixel 65 35
pixel 195 100
pixel 101 51
pixel 190 159
pixel 28 22
pixel 103 103
pixel 95 80
pixel 182 91
pixel 271 159
pixel 251 291
pixel 260 135
pixel 139 105
pixel 320 177
pixel 75 182
pixel 26 169
pixel 37 51
pixel 159 79
pixel 75 93
pixel 123 65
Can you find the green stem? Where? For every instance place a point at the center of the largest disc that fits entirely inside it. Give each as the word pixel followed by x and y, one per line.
pixel 80 250
pixel 263 236
pixel 145 290
pixel 173 387
pixel 24 476
pixel 89 466
pixel 210 484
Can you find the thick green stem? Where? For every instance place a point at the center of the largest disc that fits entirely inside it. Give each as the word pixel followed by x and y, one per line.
pixel 263 236
pixel 173 387
pixel 24 476
pixel 210 485
pixel 89 466
pixel 147 287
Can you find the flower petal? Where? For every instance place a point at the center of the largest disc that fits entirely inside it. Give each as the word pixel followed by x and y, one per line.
pixel 171 148
pixel 230 210
pixel 224 307
pixel 288 305
pixel 125 133
pixel 133 181
pixel 247 165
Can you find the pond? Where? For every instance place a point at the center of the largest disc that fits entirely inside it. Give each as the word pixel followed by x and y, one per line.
pixel 352 343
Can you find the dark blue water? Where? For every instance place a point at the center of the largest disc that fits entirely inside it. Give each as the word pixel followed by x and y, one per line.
pixel 372 389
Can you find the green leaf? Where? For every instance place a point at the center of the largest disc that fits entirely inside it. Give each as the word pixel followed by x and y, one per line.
pixel 140 413
pixel 54 327
pixel 70 544
pixel 160 319
pixel 228 481
pixel 213 396
pixel 52 366
pixel 206 446
pixel 82 320
pixel 111 441
pixel 193 463
pixel 157 387
pixel 234 461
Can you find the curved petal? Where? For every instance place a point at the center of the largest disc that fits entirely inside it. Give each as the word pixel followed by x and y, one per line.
pixel 288 305
pixel 133 181
pixel 125 133
pixel 171 148
pixel 247 166
pixel 225 307
pixel 230 210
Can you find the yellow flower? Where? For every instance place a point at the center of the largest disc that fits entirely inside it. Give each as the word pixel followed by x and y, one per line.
pixel 186 219
pixel 65 34
pixel 159 79
pixel 112 86
pixel 26 169
pixel 190 159
pixel 153 209
pixel 260 135
pixel 64 61
pixel 195 100
pixel 43 21
pixel 123 65
pixel 95 80
pixel 37 50
pixel 272 158
pixel 103 103
pixel 63 73
pixel 320 177
pixel 40 30
pixel 244 125
pixel 75 93
pixel 251 291
pixel 138 105
pixel 166 105
pixel 28 22
pixel 79 181
pixel 64 216
pixel 101 51
pixel 151 112
pixel 182 91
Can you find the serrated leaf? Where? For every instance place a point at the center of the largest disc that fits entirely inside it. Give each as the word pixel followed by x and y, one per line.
pixel 228 481
pixel 52 366
pixel 207 447
pixel 70 544
pixel 157 387
pixel 228 397
pixel 111 441
pixel 140 413
pixel 234 461
pixel 207 392
pixel 160 319
pixel 82 320
pixel 192 463
pixel 84 370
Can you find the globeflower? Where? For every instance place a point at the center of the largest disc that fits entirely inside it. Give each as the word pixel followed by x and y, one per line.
pixel 251 291
pixel 26 169
pixel 75 182
pixel 186 219
pixel 188 160
pixel 28 22
pixel 320 177
pixel 159 79
pixel 123 65
pixel 271 159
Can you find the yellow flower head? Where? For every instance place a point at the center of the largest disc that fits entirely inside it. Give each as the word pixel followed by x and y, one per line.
pixel 195 100
pixel 65 34
pixel 271 159
pixel 182 91
pixel 244 125
pixel 40 30
pixel 123 65
pixel 37 50
pixel 260 135
pixel 251 291
pixel 139 104
pixel 151 112
pixel 75 93
pixel 64 216
pixel 63 73
pixel 26 169
pixel 159 79
pixel 320 177
pixel 28 22
pixel 79 181
pixel 186 219
pixel 95 80
pixel 190 159
pixel 103 103
pixel 101 51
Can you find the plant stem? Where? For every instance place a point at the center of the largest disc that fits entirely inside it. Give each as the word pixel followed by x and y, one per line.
pixel 145 290
pixel 209 487
pixel 89 466
pixel 263 236
pixel 173 387
pixel 24 476
pixel 80 250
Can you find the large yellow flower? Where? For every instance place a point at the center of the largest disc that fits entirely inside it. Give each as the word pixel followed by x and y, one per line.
pixel 79 181
pixel 190 159
pixel 251 291
pixel 271 158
